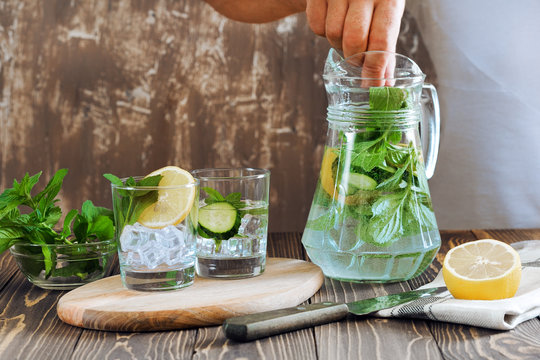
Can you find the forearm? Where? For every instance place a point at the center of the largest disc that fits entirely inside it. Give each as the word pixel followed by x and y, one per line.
pixel 257 11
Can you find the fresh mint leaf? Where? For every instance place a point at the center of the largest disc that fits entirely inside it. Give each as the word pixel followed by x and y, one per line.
pixel 80 228
pixel 24 188
pixel 150 181
pixel 102 227
pixel 115 180
pixel 370 157
pixel 387 98
pixel 53 187
pixel 131 182
pixel 131 203
pixel 19 194
pixel 89 211
pixel 52 216
pixel 235 199
pixel 394 136
pixel 9 236
pixel 213 195
pixel 386 226
pixel 139 204
pixel 393 182
pixel 66 229
pixel 37 226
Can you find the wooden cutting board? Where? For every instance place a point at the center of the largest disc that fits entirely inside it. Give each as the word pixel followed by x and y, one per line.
pixel 106 305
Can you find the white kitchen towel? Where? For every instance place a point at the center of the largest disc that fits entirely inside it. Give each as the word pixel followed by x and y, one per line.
pixel 495 314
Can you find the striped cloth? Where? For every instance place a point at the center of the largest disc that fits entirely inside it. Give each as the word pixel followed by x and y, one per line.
pixel 503 314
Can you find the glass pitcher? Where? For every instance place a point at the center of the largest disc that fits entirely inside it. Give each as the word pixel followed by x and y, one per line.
pixel 371 219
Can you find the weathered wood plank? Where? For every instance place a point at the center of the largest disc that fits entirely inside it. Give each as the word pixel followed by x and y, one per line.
pixel 507 235
pixel 29 326
pixel 373 338
pixel 155 345
pixel 286 245
pixel 8 268
pixel 212 344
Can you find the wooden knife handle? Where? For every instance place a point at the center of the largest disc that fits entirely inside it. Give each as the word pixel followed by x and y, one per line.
pixel 259 325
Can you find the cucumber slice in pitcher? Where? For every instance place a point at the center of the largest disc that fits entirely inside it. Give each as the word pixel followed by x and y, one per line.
pixel 218 217
pixel 362 182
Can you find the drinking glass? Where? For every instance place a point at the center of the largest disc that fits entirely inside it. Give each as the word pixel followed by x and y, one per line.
pixel 156 256
pixel 233 222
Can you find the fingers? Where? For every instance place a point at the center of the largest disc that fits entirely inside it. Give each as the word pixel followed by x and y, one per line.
pixel 316 15
pixel 375 68
pixel 335 19
pixel 357 27
pixel 383 35
pixel 385 25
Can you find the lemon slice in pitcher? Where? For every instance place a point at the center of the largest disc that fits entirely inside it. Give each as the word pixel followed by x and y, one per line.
pixel 174 201
pixel 482 270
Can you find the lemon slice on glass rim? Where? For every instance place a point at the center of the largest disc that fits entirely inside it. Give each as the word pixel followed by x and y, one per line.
pixel 482 270
pixel 174 200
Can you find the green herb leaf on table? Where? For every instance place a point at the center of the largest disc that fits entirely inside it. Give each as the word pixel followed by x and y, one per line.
pixel 38 225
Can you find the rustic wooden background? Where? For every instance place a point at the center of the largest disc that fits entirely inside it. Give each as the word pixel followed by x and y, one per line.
pixel 129 86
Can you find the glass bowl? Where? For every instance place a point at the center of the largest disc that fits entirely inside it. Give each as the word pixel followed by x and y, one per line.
pixel 70 265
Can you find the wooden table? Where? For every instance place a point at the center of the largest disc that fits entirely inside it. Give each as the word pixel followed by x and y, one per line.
pixel 30 328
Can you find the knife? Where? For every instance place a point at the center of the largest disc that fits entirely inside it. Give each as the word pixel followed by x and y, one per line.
pixel 264 324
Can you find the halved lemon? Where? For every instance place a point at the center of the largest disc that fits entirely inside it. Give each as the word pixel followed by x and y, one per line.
pixel 482 270
pixel 174 201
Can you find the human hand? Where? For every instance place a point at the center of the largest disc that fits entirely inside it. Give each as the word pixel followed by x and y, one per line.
pixel 356 26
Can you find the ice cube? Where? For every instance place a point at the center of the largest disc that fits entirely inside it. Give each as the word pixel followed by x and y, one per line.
pixel 249 225
pixel 152 257
pixel 179 256
pixel 134 237
pixel 172 238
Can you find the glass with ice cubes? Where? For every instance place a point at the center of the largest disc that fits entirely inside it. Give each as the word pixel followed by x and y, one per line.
pixel 156 235
pixel 233 222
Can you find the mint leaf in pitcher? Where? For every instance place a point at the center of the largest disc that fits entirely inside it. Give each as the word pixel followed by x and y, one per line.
pixel 387 98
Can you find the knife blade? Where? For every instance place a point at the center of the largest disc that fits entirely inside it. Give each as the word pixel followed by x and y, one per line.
pixel 255 326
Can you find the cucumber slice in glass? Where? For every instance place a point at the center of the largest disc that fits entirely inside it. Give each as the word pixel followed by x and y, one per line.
pixel 218 217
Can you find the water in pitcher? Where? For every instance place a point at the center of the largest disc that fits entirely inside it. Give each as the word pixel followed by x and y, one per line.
pixel 371 219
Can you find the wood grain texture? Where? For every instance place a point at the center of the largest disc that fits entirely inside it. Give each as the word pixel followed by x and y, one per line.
pixel 130 86
pixel 106 305
pixel 29 327
pixel 7 268
pixel 166 345
pixel 212 344
pixel 372 337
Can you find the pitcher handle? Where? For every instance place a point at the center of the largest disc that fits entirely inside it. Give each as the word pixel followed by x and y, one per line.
pixel 431 135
